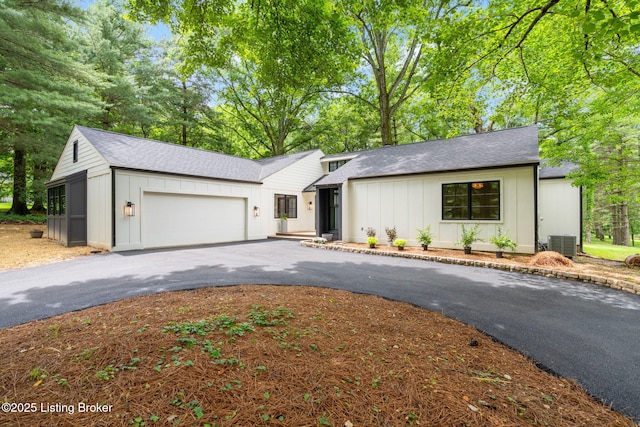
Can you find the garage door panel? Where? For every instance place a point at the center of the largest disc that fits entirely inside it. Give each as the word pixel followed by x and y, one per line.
pixel 177 219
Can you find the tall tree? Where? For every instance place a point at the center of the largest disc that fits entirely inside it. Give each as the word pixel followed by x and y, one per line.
pixel 606 146
pixel 407 46
pixel 274 59
pixel 115 46
pixel 44 88
pixel 573 67
pixel 182 96
pixel 344 125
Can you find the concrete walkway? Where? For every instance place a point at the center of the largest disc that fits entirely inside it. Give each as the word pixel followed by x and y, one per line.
pixel 578 330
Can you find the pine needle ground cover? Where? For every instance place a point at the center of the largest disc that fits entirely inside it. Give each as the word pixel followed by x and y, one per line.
pixel 267 355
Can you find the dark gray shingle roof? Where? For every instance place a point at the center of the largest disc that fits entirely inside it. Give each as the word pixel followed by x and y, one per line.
pixel 560 171
pixel 131 152
pixel 511 147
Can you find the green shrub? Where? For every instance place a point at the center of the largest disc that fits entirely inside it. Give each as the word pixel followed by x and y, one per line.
pixel 425 236
pixel 470 236
pixel 502 240
pixel 401 243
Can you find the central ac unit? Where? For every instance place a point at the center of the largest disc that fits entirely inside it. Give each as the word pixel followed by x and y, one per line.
pixel 564 244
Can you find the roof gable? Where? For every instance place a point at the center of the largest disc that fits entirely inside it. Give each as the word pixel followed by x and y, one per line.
pixel 130 152
pixel 271 165
pixel 511 147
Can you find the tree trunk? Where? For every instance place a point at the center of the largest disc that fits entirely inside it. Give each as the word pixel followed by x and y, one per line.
pixel 599 232
pixel 19 206
pixel 38 189
pixel 185 111
pixel 385 122
pixel 588 214
pixel 106 119
pixel 621 233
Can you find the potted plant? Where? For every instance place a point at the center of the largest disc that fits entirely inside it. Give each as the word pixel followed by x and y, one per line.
pixel 391 234
pixel 36 234
pixel 283 223
pixel 425 236
pixel 502 241
pixel 372 241
pixel 400 243
pixel 469 237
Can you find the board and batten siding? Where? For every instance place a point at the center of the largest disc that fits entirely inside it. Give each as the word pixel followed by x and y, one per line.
pixel 413 202
pixel 559 207
pixel 98 186
pixel 135 186
pixel 99 234
pixel 89 158
pixel 291 181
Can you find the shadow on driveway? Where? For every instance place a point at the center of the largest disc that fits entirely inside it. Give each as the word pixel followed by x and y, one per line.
pixel 575 329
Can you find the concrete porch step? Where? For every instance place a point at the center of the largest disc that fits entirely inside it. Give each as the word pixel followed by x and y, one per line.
pixel 294 235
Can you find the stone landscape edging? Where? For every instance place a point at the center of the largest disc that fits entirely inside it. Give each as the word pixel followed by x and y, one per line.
pixel 558 274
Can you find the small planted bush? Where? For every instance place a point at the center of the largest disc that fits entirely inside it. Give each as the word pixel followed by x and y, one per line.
pixel 469 237
pixel 400 243
pixel 320 240
pixel 502 241
pixel 371 232
pixel 425 236
pixel 372 241
pixel 391 234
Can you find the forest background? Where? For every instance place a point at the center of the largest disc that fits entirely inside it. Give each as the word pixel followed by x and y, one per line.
pixel 259 78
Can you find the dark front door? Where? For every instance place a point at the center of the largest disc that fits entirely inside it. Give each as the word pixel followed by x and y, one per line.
pixel 334 206
pixel 328 213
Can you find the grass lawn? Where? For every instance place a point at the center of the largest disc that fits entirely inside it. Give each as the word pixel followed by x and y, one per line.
pixel 37 218
pixel 607 250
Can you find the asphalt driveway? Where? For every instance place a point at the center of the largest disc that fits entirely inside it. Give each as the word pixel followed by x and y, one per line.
pixel 578 330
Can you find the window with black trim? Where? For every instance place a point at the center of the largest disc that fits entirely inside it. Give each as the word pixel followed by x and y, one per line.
pixel 57 203
pixel 75 151
pixel 336 164
pixel 478 200
pixel 285 205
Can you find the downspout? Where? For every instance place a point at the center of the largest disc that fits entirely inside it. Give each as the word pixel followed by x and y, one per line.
pixel 339 215
pixel 535 208
pixel 317 213
pixel 113 208
pixel 580 243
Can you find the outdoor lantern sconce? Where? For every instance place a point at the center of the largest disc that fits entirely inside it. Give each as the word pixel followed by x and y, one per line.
pixel 310 205
pixel 130 209
pixel 256 211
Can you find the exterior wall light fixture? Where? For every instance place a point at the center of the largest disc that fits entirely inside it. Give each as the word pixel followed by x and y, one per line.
pixel 130 209
pixel 256 211
pixel 310 206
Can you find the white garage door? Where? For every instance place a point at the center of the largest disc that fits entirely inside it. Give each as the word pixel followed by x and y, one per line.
pixel 177 219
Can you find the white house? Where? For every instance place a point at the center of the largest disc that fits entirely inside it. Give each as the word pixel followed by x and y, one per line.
pixel 119 192
pixel 560 203
pixel 488 179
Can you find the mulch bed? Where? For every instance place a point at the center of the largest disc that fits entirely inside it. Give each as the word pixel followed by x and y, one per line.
pixel 268 355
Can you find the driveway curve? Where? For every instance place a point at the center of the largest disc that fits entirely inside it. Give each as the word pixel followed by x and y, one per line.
pixel 577 330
